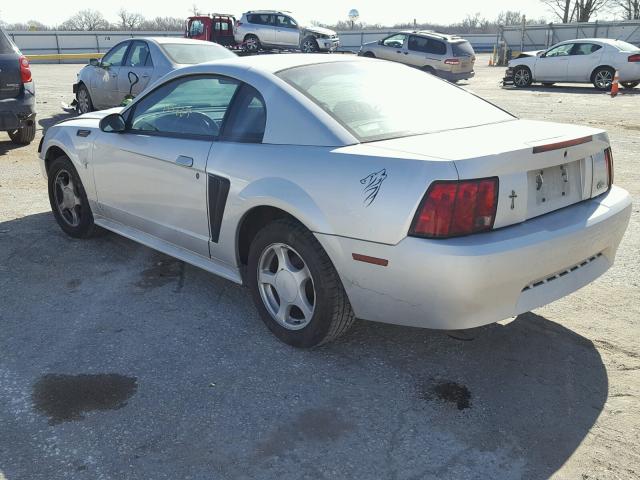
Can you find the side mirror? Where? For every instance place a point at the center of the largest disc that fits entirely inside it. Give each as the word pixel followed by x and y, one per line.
pixel 113 123
pixel 379 42
pixel 94 62
pixel 542 54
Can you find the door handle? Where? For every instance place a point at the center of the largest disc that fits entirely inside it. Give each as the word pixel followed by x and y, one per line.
pixel 184 161
pixel 145 75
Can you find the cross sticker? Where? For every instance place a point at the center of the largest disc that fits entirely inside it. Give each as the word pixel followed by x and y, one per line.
pixel 513 197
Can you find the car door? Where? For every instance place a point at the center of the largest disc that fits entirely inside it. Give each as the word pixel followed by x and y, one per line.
pixel 416 51
pixel 137 69
pixel 391 48
pixel 104 83
pixel 554 64
pixel 287 32
pixel 585 57
pixel 265 28
pixel 152 176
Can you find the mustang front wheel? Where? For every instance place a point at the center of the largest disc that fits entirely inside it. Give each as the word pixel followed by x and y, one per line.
pixel 68 199
pixel 295 286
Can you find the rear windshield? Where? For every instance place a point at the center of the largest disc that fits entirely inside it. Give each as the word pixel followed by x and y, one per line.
pixel 625 46
pixel 5 44
pixel 462 49
pixel 191 53
pixel 378 100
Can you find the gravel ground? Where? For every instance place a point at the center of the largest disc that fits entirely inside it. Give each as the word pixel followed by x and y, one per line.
pixel 117 362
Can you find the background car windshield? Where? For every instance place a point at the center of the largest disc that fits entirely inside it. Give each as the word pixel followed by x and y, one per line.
pixel 5 44
pixel 191 53
pixel 462 49
pixel 377 100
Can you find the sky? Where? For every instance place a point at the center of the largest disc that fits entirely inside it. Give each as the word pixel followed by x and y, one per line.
pixel 52 12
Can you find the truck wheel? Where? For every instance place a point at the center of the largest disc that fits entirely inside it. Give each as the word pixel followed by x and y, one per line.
pixel 251 44
pixel 83 99
pixel 603 78
pixel 68 199
pixel 295 287
pixel 522 77
pixel 309 45
pixel 24 135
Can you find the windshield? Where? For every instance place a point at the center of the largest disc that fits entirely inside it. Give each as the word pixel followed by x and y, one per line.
pixel 625 46
pixel 462 49
pixel 378 100
pixel 192 53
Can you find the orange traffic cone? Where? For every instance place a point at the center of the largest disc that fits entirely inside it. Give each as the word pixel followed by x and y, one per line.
pixel 614 85
pixel 490 61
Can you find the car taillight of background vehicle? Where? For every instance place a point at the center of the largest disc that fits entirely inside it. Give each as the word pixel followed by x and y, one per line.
pixel 452 61
pixel 456 208
pixel 634 58
pixel 25 69
pixel 608 156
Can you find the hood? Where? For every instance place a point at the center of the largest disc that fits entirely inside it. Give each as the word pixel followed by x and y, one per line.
pixel 532 53
pixel 100 114
pixel 320 30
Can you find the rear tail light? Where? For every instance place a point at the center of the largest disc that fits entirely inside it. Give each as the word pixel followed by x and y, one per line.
pixel 634 58
pixel 608 156
pixel 456 208
pixel 25 69
pixel 452 61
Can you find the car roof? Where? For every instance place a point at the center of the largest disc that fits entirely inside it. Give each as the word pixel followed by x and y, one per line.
pixel 277 62
pixel 166 40
pixel 431 33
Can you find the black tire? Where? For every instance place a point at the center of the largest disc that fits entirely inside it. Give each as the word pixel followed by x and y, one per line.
pixel 251 44
pixel 602 78
pixel 84 104
pixel 431 70
pixel 24 135
pixel 332 314
pixel 629 85
pixel 369 55
pixel 60 168
pixel 309 44
pixel 522 77
pixel 548 84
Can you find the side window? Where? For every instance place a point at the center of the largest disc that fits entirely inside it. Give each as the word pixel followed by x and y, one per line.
pixel 115 56
pixel 188 106
pixel 261 19
pixel 286 22
pixel 139 55
pixel 247 119
pixel 394 41
pixel 196 29
pixel 418 44
pixel 560 51
pixel 585 48
pixel 436 47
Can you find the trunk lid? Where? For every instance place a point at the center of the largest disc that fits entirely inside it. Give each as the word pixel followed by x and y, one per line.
pixel 533 179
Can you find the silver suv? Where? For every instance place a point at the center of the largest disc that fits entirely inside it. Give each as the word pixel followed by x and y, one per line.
pixel 446 56
pixel 259 29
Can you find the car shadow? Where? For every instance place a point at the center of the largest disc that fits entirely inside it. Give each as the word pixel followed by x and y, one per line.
pixel 47 122
pixel 574 89
pixel 6 145
pixel 501 401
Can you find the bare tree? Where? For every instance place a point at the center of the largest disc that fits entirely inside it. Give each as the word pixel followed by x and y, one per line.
pixel 577 10
pixel 163 24
pixel 629 8
pixel 86 20
pixel 129 20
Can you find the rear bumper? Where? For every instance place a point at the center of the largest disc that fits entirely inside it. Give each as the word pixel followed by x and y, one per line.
pixel 454 77
pixel 480 279
pixel 15 112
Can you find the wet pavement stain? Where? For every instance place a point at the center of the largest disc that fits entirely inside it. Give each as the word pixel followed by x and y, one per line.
pixel 162 272
pixel 65 398
pixel 450 392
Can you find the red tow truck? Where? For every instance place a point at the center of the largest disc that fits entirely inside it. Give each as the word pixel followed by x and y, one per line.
pixel 213 27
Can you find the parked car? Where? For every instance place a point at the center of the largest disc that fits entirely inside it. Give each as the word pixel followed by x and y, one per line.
pixel 446 56
pixel 130 66
pixel 333 196
pixel 585 60
pixel 17 93
pixel 214 27
pixel 276 29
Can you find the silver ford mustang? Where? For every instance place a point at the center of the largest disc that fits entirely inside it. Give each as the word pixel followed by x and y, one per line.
pixel 341 187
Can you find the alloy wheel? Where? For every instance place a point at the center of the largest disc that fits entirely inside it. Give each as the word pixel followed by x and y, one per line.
pixel 521 77
pixel 308 47
pixel 67 200
pixel 286 286
pixel 603 79
pixel 83 101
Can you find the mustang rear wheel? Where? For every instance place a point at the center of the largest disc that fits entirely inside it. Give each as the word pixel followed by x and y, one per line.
pixel 295 287
pixel 522 77
pixel 68 199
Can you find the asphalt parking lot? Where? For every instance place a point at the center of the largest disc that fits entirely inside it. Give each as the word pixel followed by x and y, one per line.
pixel 117 362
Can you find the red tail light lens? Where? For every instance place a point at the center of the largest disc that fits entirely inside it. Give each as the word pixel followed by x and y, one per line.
pixel 456 208
pixel 25 69
pixel 608 156
pixel 452 61
pixel 634 58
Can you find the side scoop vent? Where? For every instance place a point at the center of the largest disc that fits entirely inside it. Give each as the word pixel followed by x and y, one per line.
pixel 562 273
